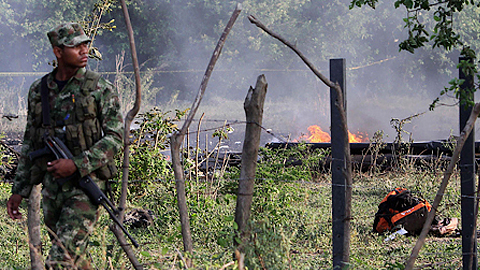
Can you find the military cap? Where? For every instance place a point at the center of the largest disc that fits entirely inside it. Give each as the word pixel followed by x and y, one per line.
pixel 67 34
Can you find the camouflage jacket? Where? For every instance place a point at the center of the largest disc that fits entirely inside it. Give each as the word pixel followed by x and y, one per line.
pixel 64 104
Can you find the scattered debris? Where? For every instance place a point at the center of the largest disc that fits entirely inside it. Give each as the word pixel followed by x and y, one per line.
pixel 139 218
pixel 402 231
pixel 404 213
pixel 401 207
pixel 445 227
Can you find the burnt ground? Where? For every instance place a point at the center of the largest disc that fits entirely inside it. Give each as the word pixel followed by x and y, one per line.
pixel 12 139
pixel 10 147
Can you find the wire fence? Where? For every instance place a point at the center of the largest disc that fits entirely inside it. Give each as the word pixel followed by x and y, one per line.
pixel 359 189
pixel 41 73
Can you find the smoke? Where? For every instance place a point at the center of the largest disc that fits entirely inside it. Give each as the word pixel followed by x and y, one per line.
pixel 176 39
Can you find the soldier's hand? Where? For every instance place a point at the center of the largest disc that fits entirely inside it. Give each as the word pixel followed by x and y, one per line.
pixel 61 168
pixel 12 206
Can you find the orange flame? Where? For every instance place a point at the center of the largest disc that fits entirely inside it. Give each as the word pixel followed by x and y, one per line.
pixel 317 135
pixel 357 138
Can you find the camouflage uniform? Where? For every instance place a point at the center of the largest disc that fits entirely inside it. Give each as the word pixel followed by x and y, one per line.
pixel 90 124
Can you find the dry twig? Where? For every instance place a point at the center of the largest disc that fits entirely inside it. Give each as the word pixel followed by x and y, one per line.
pixel 177 138
pixel 347 171
pixel 446 177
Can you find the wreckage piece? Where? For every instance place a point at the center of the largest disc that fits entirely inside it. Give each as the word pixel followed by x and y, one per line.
pixel 139 218
pixel 400 208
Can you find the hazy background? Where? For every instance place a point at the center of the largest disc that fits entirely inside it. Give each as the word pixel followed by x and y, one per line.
pixel 175 40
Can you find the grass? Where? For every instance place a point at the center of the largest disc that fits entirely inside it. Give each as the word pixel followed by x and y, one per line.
pixel 290 226
pixel 291 211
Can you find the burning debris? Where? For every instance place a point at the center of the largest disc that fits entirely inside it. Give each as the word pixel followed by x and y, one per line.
pixel 385 156
pixel 317 135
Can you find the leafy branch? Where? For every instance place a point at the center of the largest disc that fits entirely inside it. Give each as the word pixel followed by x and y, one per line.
pixel 93 26
pixel 441 35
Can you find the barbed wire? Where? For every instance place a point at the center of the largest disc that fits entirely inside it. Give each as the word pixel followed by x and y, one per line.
pixel 302 182
pixel 260 180
pixel 41 73
pixel 227 123
pixel 304 70
pixel 453 255
pixel 457 255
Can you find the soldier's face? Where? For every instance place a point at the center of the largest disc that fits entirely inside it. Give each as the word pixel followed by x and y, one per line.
pixel 74 57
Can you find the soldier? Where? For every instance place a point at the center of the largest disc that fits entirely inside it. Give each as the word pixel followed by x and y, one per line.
pixel 85 114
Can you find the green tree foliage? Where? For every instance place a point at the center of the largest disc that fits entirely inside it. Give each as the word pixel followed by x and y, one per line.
pixel 148 163
pixel 24 25
pixel 448 25
pixel 175 40
pixel 94 26
pixel 184 34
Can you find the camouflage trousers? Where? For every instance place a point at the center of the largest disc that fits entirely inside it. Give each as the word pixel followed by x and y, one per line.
pixel 70 218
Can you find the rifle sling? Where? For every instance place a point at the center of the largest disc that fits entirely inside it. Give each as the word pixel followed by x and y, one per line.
pixel 45 102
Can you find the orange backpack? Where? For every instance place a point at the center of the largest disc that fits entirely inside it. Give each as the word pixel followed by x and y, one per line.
pixel 400 207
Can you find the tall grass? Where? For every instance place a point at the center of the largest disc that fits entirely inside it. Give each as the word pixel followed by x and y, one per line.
pixel 290 223
pixel 291 212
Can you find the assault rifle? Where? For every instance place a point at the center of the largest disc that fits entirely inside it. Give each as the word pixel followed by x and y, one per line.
pixel 59 149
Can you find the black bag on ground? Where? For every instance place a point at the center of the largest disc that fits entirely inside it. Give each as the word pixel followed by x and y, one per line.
pixel 400 207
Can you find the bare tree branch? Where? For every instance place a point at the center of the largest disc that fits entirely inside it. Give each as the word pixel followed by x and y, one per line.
pixel 347 170
pixel 260 25
pixel 126 161
pixel 177 138
pixel 446 177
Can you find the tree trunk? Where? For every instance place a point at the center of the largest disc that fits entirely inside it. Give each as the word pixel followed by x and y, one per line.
pixel 128 120
pixel 34 235
pixel 177 138
pixel 254 113
pixel 175 144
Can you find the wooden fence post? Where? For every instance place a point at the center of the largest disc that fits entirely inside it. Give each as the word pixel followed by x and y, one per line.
pixel 410 264
pixel 254 113
pixel 341 192
pixel 341 239
pixel 34 234
pixel 467 177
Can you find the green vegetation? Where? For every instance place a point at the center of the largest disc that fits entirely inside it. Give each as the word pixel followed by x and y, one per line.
pixel 291 212
pixel 445 25
pixel 174 39
pixel 291 215
pixel 7 158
